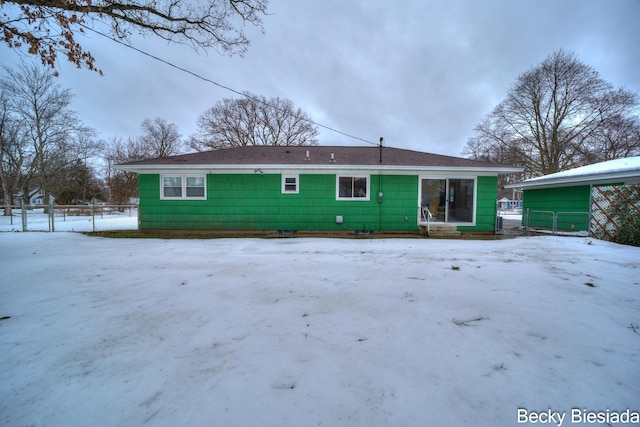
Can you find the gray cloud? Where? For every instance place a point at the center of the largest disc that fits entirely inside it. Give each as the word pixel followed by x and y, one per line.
pixel 420 73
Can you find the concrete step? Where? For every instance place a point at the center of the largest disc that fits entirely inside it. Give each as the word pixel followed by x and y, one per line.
pixel 440 231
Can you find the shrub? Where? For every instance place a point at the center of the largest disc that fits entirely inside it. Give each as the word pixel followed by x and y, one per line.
pixel 624 211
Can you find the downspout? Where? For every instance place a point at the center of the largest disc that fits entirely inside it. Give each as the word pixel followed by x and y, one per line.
pixel 590 209
pixel 380 200
pixel 380 194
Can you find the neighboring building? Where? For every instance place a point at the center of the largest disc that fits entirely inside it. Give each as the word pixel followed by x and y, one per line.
pixel 510 201
pixel 505 204
pixel 571 192
pixel 37 198
pixel 316 188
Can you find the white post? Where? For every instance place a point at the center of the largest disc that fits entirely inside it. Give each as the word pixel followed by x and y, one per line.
pixel 24 216
pixel 93 213
pixel 52 226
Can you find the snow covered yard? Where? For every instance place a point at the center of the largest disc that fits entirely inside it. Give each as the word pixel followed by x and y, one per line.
pixel 37 220
pixel 308 332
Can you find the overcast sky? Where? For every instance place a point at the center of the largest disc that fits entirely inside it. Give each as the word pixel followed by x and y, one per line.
pixel 419 73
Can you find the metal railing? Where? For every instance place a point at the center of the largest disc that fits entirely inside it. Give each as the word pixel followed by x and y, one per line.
pixel 566 222
pixel 425 216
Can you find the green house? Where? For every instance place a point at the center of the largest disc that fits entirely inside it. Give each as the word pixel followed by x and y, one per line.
pixel 316 188
pixel 565 200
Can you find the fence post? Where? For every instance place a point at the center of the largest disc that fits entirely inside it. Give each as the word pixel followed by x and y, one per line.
pixel 93 214
pixel 52 214
pixel 24 216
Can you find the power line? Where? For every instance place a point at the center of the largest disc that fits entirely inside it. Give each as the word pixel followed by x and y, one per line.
pixel 184 70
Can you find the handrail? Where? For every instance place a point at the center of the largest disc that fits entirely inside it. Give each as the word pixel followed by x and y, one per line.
pixel 425 216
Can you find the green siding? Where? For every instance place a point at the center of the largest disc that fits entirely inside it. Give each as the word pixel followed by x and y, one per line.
pixel 485 205
pixel 562 199
pixel 541 202
pixel 255 202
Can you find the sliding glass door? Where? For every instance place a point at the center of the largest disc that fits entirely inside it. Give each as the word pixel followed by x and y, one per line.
pixel 448 199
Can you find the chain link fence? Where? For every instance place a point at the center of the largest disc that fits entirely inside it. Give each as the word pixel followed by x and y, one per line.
pixel 570 223
pixel 574 222
pixel 81 218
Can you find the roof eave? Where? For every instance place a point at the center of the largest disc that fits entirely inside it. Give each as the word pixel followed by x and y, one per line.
pixel 575 180
pixel 211 168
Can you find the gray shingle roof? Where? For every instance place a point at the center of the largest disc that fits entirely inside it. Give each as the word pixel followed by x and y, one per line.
pixel 317 155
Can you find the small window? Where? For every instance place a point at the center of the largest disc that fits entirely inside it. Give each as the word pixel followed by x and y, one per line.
pixel 172 186
pixel 195 186
pixel 183 187
pixel 353 188
pixel 290 184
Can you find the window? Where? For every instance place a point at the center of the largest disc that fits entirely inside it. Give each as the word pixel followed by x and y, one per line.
pixel 352 188
pixel 290 184
pixel 183 187
pixel 195 186
pixel 172 186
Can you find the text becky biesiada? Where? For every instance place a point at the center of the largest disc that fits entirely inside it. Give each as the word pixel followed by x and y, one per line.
pixel 578 416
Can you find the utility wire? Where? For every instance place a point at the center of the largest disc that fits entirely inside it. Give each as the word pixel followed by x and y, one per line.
pixel 164 61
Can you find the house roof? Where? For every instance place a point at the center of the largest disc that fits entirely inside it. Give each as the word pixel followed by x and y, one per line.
pixel 625 170
pixel 313 157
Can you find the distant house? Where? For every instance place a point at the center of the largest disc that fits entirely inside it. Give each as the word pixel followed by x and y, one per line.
pixel 510 201
pixel 573 192
pixel 37 198
pixel 505 204
pixel 316 188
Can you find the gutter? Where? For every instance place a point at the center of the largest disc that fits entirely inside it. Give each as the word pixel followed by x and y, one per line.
pixel 274 168
pixel 628 177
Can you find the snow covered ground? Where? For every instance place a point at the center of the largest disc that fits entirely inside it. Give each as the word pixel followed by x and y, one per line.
pixel 315 332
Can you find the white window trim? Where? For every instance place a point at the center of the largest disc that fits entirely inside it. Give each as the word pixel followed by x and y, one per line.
pixel 284 178
pixel 353 175
pixel 184 186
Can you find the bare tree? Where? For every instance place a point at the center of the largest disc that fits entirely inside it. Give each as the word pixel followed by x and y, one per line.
pixel 74 178
pixel 619 137
pixel 49 28
pixel 556 117
pixel 160 137
pixel 253 120
pixel 10 160
pixel 45 129
pixel 122 186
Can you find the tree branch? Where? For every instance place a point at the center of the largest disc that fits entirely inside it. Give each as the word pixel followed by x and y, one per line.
pixel 49 27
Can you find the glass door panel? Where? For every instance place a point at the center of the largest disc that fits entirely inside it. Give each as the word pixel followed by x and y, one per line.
pixel 434 198
pixel 460 207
